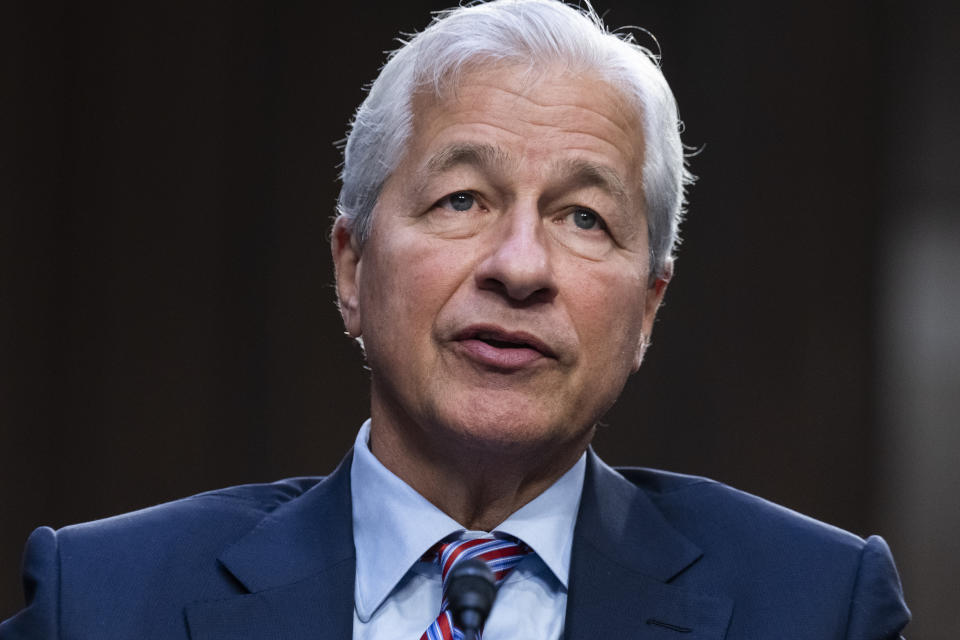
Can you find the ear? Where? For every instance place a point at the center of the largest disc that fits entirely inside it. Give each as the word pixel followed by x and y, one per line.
pixel 346 264
pixel 652 302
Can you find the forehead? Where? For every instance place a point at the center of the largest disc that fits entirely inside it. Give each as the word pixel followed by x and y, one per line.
pixel 554 115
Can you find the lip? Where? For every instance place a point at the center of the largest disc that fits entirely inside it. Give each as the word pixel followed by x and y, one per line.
pixel 500 348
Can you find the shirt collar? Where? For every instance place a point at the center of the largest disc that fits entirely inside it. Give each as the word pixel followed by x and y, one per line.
pixel 393 525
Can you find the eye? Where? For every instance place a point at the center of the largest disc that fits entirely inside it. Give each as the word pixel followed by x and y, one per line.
pixel 586 219
pixel 584 231
pixel 459 201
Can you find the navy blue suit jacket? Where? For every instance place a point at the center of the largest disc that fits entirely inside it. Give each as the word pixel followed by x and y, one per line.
pixel 655 555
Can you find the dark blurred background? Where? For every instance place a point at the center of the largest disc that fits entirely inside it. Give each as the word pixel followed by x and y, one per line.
pixel 167 323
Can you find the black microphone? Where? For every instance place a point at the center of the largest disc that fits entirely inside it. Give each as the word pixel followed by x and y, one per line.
pixel 470 595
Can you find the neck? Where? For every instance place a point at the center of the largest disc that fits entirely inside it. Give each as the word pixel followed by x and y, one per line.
pixel 477 484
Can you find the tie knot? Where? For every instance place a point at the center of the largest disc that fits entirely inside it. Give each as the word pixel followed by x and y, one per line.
pixel 500 552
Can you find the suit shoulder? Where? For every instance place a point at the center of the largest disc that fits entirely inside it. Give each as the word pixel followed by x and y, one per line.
pixel 659 482
pixel 700 507
pixel 200 522
pixel 141 567
pixel 266 496
pixel 760 553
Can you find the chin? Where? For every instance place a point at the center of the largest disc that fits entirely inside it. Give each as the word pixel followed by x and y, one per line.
pixel 509 428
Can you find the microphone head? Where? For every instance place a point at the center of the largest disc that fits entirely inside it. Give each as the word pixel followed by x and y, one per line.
pixel 472 588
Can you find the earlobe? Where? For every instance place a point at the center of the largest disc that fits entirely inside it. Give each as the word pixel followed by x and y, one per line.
pixel 652 302
pixel 655 293
pixel 346 263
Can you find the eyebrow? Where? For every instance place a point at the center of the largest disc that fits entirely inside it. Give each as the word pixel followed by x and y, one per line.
pixel 584 173
pixel 466 153
pixel 575 172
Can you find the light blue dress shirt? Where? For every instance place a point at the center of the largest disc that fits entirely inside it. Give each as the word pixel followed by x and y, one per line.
pixel 397 595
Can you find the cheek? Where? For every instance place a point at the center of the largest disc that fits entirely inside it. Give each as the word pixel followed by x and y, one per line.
pixel 409 283
pixel 610 311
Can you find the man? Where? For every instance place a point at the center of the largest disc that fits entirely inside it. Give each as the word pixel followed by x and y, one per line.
pixel 512 187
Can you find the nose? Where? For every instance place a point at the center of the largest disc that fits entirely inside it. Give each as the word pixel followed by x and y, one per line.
pixel 518 265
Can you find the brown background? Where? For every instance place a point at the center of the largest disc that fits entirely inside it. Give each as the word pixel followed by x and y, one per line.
pixel 167 322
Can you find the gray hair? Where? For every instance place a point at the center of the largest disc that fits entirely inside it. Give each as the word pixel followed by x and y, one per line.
pixel 534 33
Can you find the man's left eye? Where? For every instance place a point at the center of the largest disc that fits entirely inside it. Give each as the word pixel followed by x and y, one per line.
pixel 461 201
pixel 586 219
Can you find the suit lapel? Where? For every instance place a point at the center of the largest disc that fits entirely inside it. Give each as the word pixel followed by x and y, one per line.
pixel 298 568
pixel 624 556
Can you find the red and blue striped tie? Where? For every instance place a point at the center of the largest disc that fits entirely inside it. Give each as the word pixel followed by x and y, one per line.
pixel 501 554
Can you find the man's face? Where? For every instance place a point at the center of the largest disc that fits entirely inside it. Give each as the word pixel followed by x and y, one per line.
pixel 503 293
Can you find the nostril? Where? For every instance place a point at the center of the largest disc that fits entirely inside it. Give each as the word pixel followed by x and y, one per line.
pixel 519 280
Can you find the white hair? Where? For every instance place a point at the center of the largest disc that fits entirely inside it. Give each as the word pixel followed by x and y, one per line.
pixel 535 33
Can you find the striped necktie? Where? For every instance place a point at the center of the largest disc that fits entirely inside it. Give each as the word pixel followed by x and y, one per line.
pixel 501 553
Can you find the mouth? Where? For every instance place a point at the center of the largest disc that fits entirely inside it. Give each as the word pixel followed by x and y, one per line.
pixel 498 348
